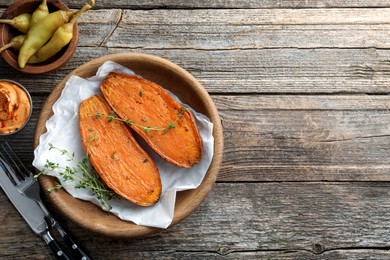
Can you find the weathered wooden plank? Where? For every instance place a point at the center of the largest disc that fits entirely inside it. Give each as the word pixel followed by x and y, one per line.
pixel 241 17
pixel 279 220
pixel 238 4
pixel 98 25
pixel 282 254
pixel 211 37
pixel 252 71
pixel 282 138
pixel 236 28
pixel 208 29
pixel 144 4
pixel 248 29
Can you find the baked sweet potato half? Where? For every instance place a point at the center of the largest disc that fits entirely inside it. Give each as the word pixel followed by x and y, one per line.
pixel 116 156
pixel 166 126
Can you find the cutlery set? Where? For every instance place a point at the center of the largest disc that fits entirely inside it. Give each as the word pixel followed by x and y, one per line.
pixel 23 190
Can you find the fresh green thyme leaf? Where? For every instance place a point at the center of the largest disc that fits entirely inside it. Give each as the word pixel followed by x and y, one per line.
pixel 111 116
pixel 113 156
pixel 92 137
pixel 140 93
pixel 146 129
pixel 181 112
pixel 82 176
pixel 169 126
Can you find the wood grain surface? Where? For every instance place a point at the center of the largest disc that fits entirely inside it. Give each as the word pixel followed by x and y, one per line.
pixel 302 91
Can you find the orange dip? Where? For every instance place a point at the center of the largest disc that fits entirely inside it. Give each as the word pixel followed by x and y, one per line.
pixel 15 107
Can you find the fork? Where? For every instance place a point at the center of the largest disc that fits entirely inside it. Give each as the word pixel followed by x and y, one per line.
pixel 28 185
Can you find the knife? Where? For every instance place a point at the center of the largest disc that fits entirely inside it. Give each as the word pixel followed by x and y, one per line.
pixel 32 214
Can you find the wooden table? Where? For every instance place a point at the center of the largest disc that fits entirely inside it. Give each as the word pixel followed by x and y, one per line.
pixel 302 89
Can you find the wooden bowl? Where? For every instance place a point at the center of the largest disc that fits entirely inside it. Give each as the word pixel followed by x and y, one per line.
pixel 7 33
pixel 190 91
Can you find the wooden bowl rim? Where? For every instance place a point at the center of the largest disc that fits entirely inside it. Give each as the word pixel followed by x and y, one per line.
pixel 9 56
pixel 120 228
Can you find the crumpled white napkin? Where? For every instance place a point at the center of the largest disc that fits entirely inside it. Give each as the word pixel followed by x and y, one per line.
pixel 63 132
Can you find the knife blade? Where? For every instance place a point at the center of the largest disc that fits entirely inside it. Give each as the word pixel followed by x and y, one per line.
pixel 32 214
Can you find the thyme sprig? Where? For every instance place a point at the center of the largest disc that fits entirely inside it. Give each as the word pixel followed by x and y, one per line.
pixel 164 130
pixel 83 176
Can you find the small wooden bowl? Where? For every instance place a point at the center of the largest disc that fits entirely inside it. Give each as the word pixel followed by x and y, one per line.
pixel 7 33
pixel 189 91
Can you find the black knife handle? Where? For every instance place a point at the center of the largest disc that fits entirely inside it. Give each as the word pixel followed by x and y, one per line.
pixel 57 251
pixel 76 251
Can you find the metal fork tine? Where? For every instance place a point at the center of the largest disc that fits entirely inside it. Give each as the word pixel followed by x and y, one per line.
pixel 5 157
pixel 24 171
pixel 8 159
pixel 7 172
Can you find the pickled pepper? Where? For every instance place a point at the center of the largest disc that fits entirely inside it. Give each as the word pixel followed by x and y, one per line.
pixel 61 37
pixel 40 33
pixel 41 12
pixel 20 22
pixel 15 43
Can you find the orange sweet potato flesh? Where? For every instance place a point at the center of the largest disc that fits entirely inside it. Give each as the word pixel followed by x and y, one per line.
pixel 116 156
pixel 147 104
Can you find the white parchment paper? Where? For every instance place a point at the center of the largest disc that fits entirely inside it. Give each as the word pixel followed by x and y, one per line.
pixel 63 132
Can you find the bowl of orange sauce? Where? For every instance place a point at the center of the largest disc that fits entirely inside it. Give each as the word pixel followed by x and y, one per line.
pixel 15 107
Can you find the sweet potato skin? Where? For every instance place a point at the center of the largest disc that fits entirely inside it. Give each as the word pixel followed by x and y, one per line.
pixel 148 104
pixel 116 156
